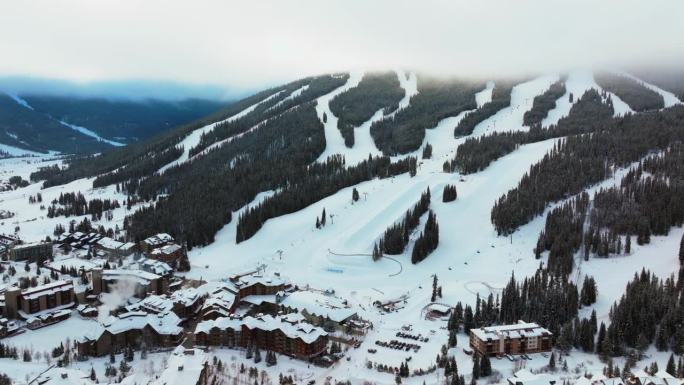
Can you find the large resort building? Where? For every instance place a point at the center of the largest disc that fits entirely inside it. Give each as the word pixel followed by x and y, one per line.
pixel 520 338
pixel 39 300
pixel 286 334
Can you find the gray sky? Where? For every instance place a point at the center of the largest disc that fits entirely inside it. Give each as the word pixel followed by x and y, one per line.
pixel 251 44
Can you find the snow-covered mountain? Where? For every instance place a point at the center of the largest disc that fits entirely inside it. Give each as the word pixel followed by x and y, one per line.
pixel 32 124
pixel 305 180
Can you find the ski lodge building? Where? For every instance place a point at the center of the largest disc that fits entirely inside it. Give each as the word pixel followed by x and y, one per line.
pixel 520 338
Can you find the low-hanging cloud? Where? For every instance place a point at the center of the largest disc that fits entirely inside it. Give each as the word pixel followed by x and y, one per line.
pixel 249 44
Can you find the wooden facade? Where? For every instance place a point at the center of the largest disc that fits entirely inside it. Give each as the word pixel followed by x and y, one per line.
pixel 520 338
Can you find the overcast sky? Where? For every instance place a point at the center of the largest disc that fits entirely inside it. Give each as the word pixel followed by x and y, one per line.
pixel 252 44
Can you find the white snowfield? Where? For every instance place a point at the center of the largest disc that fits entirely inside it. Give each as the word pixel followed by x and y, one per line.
pixel 16 151
pixel 193 138
pixel 511 117
pixel 485 96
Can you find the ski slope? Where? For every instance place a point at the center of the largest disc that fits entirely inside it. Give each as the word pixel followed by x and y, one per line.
pixel 193 138
pixel 293 246
pixel 485 96
pixel 334 142
pixel 291 96
pixel 91 134
pixel 576 84
pixel 364 144
pixel 511 117
pixel 668 97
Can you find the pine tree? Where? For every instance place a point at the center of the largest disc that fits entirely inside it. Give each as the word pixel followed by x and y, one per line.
pixel 433 298
pixel 323 218
pixel 452 339
pixel 670 368
pixel 552 361
pixel 355 195
pixel 681 250
pixel 485 366
pixel 257 355
pixel 476 366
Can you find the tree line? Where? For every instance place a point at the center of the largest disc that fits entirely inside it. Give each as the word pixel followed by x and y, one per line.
pixel 78 167
pixel 323 180
pixel 437 99
pixel 427 241
pixel 636 95
pixel 396 237
pixel 271 108
pixel 649 200
pixel 577 162
pixel 586 115
pixel 501 98
pixel 376 91
pixel 75 204
pixel 542 104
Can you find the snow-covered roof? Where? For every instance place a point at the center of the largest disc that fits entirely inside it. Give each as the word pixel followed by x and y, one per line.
pixel 153 304
pixel 109 243
pixel 249 280
pixel 163 304
pixel 302 330
pixel 49 288
pixel 166 250
pixel 222 323
pixel 158 239
pixel 521 329
pixel 525 377
pixel 29 245
pixel 139 276
pixel 318 304
pixel 155 266
pixel 183 367
pixel 259 299
pixel 166 324
pixel 292 325
pixel 187 297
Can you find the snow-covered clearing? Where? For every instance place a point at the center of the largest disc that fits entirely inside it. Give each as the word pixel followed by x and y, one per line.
pixel 92 134
pixel 485 96
pixel 20 101
pixel 32 221
pixel 409 82
pixel 193 138
pixel 511 117
pixel 16 151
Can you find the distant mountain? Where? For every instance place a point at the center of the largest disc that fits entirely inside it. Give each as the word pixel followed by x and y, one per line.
pixel 75 125
pixel 123 120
